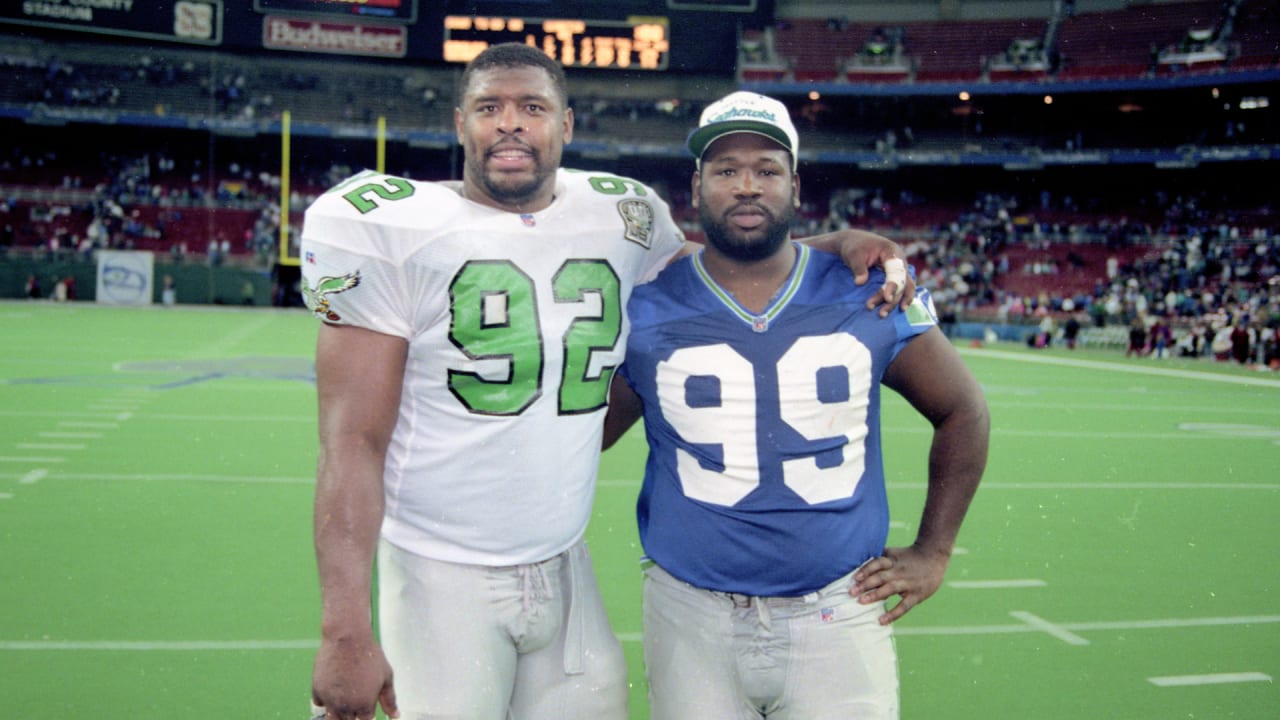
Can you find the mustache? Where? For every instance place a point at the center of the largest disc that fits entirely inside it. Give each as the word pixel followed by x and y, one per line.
pixel 510 144
pixel 748 205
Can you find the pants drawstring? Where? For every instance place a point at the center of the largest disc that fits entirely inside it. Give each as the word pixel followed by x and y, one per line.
pixel 762 612
pixel 534 586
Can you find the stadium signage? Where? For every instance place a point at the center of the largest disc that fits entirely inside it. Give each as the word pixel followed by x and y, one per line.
pixel 189 21
pixel 323 36
pixel 389 10
pixel 1074 158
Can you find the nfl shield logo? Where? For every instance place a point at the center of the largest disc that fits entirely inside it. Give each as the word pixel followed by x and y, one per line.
pixel 527 219
pixel 828 614
pixel 760 324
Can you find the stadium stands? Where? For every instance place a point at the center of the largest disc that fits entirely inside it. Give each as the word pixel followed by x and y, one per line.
pixel 194 142
pixel 1108 44
pixel 1122 43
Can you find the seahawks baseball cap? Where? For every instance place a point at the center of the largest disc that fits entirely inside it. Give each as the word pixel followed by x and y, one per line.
pixel 745 112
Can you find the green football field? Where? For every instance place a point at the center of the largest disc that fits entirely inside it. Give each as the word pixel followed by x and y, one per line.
pixel 1121 559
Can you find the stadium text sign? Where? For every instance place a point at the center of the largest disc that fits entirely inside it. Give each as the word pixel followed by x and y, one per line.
pixel 344 38
pixel 191 21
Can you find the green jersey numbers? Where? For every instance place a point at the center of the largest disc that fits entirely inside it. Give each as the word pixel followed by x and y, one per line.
pixel 613 185
pixel 364 196
pixel 495 317
pixel 497 322
pixel 594 285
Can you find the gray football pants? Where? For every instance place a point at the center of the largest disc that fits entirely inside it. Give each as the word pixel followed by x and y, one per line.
pixel 734 657
pixel 530 642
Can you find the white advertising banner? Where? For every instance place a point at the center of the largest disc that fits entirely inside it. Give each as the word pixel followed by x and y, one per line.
pixel 125 277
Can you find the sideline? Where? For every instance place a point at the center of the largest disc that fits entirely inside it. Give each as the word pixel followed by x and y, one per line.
pixel 1119 367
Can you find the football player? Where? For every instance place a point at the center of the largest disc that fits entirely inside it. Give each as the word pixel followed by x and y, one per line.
pixel 470 332
pixel 763 516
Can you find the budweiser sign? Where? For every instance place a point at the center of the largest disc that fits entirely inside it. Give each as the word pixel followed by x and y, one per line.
pixel 343 38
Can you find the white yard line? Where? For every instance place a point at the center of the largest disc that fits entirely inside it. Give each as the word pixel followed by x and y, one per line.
pixel 1020 627
pixel 174 477
pixel 144 646
pixel 996 584
pixel 1078 627
pixel 48 413
pixel 1122 368
pixel 70 435
pixel 1057 631
pixel 1106 486
pixel 1214 679
pixel 996 485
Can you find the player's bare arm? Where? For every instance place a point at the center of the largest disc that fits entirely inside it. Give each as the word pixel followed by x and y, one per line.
pixel 931 376
pixel 625 408
pixel 359 374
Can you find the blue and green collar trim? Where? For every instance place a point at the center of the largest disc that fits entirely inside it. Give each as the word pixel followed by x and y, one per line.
pixel 758 323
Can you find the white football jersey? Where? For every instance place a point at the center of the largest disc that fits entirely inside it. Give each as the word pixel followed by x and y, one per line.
pixel 515 324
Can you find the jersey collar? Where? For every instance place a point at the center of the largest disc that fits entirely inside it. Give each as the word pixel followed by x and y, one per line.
pixel 759 323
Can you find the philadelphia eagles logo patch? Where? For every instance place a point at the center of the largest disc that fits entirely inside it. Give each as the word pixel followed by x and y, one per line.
pixel 317 298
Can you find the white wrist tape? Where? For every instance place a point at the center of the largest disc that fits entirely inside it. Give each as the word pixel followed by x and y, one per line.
pixel 895 271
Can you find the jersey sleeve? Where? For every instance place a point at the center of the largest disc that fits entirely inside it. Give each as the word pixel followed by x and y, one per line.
pixel 668 239
pixel 919 316
pixel 345 281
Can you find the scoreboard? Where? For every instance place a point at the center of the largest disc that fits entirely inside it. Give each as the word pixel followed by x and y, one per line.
pixel 661 36
pixel 184 21
pixel 639 43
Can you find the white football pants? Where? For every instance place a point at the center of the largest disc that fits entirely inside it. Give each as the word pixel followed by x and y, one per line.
pixel 735 657
pixel 530 642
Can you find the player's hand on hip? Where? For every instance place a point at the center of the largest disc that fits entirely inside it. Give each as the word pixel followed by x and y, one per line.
pixel 910 573
pixel 351 678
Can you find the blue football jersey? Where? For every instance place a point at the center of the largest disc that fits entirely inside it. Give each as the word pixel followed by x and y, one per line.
pixel 764 474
